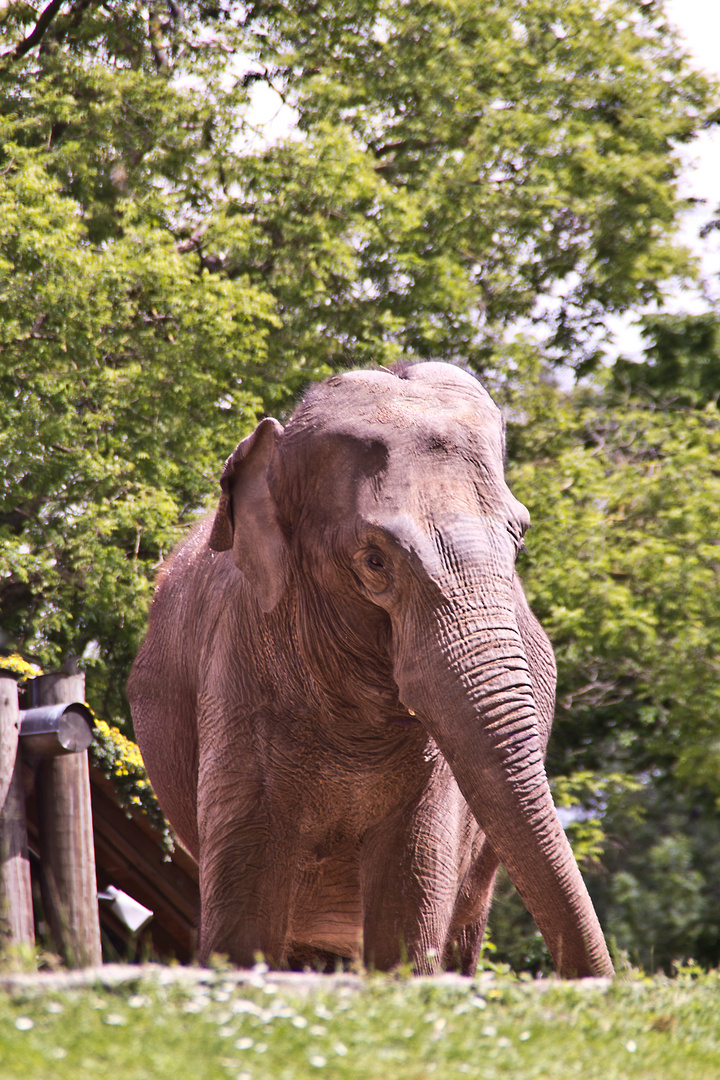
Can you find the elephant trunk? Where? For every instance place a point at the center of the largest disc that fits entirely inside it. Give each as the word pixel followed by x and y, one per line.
pixel 460 665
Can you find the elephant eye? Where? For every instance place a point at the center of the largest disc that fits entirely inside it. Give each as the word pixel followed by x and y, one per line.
pixel 374 570
pixel 374 560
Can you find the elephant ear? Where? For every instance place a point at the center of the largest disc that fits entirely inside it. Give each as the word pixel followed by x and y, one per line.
pixel 246 518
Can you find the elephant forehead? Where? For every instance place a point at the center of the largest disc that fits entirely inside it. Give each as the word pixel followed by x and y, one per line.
pixel 338 475
pixel 427 396
pixel 369 436
pixel 412 380
pixel 434 450
pixel 434 421
pixel 428 484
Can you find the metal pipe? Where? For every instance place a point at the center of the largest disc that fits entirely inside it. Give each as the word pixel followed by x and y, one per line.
pixel 49 730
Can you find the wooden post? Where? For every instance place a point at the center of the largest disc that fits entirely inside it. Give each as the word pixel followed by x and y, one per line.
pixel 68 878
pixel 16 910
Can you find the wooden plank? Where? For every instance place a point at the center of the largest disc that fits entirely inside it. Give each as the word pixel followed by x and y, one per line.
pixel 169 888
pixel 133 862
pixel 181 858
pixel 129 854
pixel 16 909
pixel 144 854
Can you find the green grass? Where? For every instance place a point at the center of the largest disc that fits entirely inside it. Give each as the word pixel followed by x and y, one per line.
pixel 389 1030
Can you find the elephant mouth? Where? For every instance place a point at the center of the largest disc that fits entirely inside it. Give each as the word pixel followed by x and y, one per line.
pixel 404 718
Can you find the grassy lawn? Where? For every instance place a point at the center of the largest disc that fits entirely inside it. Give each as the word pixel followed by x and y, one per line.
pixel 389 1029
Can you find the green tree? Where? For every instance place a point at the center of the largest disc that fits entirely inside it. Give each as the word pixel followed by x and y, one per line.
pixel 128 371
pixel 519 161
pixel 623 571
pixel 659 892
pixel 121 392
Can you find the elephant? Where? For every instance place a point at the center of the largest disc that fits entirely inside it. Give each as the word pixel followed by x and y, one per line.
pixel 343 700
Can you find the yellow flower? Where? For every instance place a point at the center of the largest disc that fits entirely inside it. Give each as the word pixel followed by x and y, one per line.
pixel 18 666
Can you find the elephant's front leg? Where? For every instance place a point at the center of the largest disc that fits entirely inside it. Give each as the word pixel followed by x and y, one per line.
pixel 413 865
pixel 473 905
pixel 246 880
pixel 224 927
pixel 243 916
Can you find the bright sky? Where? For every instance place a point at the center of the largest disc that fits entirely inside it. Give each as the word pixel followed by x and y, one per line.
pixel 699 23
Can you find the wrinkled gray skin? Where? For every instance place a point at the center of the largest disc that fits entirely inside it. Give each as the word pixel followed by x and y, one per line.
pixel 343 701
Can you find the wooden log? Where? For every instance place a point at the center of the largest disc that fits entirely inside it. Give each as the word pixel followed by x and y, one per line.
pixel 68 879
pixel 16 909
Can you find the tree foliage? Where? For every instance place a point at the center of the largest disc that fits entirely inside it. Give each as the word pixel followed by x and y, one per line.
pixel 127 370
pixel 120 389
pixel 681 360
pixel 530 147
pixel 624 573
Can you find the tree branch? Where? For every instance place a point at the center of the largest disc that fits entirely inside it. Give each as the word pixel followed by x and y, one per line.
pixel 39 31
pixel 74 18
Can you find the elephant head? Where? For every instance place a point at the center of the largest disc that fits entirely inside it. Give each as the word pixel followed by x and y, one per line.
pixel 381 520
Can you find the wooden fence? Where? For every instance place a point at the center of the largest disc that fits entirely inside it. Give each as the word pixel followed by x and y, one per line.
pixel 63 833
